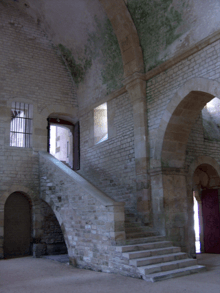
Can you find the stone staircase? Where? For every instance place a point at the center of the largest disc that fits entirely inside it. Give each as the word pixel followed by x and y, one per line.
pixel 150 256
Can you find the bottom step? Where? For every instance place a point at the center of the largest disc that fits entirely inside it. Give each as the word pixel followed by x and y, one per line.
pixel 174 273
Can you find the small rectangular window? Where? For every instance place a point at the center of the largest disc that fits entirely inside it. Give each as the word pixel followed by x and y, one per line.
pixel 100 123
pixel 21 125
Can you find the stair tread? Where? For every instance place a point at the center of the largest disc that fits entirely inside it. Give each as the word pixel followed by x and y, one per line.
pixel 181 261
pixel 173 273
pixel 148 250
pixel 138 247
pixel 141 240
pixel 157 256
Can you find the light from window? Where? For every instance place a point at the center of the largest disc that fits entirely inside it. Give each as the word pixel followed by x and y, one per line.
pixel 100 123
pixel 21 125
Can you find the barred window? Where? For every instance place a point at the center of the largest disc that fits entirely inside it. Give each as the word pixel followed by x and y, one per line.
pixel 21 125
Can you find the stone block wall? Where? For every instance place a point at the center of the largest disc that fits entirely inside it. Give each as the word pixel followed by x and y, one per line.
pixel 31 71
pixel 89 226
pixel 30 66
pixel 52 236
pixel 200 72
pixel 199 146
pixel 161 88
pixel 110 165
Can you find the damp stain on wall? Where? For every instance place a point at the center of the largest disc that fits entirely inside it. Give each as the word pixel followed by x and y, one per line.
pixel 77 68
pixel 103 44
pixel 156 23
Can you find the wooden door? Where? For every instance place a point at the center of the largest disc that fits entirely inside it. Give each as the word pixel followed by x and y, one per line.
pixel 17 226
pixel 211 220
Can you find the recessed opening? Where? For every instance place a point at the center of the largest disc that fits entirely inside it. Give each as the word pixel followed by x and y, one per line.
pixel 100 123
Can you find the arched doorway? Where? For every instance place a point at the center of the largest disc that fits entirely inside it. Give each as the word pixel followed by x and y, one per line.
pixel 173 204
pixel 207 183
pixel 17 226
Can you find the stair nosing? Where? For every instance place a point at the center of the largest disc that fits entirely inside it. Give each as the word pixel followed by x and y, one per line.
pixel 167 273
pixel 157 249
pixel 141 268
pixel 157 256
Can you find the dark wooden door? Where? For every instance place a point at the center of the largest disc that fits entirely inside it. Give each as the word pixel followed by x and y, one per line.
pixel 211 220
pixel 17 226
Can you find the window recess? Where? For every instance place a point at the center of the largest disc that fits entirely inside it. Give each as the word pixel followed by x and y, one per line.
pixel 21 125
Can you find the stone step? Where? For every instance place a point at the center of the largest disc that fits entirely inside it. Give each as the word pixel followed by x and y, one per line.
pixel 173 273
pixel 151 252
pixel 133 224
pixel 139 262
pixel 138 229
pixel 140 240
pixel 166 266
pixel 143 246
pixel 140 234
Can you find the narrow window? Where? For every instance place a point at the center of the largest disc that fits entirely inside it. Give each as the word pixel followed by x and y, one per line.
pixel 21 125
pixel 100 123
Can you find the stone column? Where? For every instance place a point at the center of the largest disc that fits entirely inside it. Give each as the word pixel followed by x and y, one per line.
pixel 177 208
pixel 157 195
pixel 136 87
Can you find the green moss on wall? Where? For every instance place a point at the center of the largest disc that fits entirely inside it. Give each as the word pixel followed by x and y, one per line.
pixel 103 44
pixel 77 69
pixel 156 23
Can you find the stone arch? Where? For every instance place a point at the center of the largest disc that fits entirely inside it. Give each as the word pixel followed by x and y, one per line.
pixel 127 35
pixel 200 161
pixel 40 122
pixel 59 216
pixel 19 188
pixel 178 118
pixel 69 112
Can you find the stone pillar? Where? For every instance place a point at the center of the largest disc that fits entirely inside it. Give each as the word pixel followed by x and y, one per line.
pixel 136 87
pixel 1 229
pixel 177 208
pixel 157 195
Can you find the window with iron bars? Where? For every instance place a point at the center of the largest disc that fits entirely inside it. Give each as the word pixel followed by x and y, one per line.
pixel 21 125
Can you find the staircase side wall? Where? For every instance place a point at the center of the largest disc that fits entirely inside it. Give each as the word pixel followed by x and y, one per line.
pixel 89 227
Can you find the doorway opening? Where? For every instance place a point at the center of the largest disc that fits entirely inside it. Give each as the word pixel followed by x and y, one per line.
pixel 63 141
pixel 207 209
pixel 196 224
pixel 17 226
pixel 61 144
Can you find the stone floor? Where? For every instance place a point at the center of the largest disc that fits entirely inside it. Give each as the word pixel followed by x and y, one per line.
pixel 60 258
pixel 40 275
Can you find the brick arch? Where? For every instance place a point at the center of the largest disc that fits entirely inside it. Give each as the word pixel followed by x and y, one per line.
pixel 127 35
pixel 178 119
